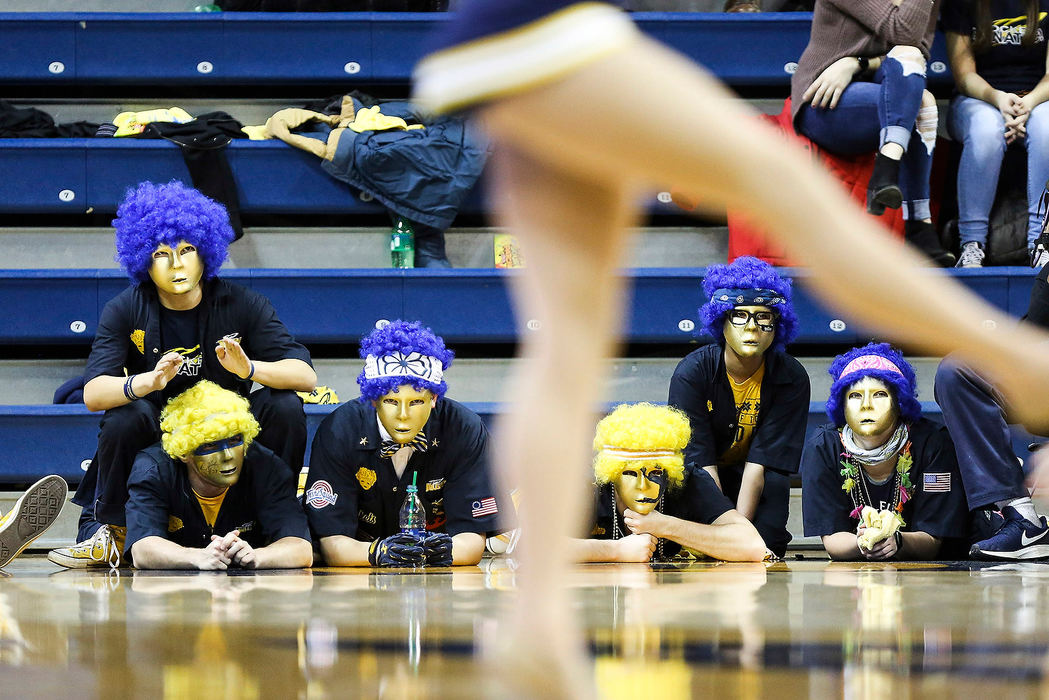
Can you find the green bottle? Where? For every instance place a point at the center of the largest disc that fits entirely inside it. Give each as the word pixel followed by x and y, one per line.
pixel 402 244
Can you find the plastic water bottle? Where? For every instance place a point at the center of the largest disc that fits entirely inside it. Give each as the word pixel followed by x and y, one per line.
pixel 413 514
pixel 402 244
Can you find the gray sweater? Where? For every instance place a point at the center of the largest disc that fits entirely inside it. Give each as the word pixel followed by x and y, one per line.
pixel 860 28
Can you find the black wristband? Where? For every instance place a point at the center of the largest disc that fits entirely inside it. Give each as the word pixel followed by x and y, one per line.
pixel 865 64
pixel 899 543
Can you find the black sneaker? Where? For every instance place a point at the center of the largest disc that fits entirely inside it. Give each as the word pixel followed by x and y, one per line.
pixel 1019 539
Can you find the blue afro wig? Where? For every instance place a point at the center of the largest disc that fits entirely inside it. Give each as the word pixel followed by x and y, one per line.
pixel 904 387
pixel 404 337
pixel 151 215
pixel 746 273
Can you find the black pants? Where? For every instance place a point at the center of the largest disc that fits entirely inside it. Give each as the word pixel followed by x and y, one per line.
pixel 127 429
pixel 770 517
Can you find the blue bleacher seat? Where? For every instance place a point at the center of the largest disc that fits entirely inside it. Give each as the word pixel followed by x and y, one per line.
pixel 224 48
pixel 25 429
pixel 468 305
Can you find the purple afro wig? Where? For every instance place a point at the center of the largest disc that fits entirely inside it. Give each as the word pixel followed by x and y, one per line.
pixel 747 273
pixel 151 215
pixel 404 337
pixel 874 360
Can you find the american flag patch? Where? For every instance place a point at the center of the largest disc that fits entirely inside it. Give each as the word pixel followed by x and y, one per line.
pixel 937 482
pixel 483 507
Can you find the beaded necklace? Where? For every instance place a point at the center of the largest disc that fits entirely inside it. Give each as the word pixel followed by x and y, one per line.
pixel 617 533
pixel 902 486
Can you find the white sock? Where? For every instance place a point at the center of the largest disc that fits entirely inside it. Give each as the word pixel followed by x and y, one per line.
pixel 1024 506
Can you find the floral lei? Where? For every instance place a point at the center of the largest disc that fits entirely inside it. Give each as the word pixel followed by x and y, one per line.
pixel 904 487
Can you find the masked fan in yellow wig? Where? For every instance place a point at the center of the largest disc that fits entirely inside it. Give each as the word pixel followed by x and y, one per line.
pixel 208 497
pixel 648 504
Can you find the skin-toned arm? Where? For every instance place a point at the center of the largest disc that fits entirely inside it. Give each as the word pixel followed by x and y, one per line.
pixel 750 488
pixel 340 550
pixel 971 84
pixel 467 548
pixel 158 553
pixel 893 292
pixel 730 538
pixel 288 373
pixel 844 546
pixel 632 548
pixel 285 553
pixel 713 471
pixel 105 392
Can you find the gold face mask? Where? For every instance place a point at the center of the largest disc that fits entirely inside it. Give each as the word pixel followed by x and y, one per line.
pixel 219 463
pixel 750 330
pixel 176 270
pixel 404 412
pixel 639 485
pixel 870 409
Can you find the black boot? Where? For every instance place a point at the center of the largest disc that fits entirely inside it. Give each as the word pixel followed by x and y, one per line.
pixel 922 235
pixel 883 189
pixel 429 247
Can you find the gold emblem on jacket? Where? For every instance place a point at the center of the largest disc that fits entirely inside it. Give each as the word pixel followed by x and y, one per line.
pixel 366 478
pixel 174 524
pixel 138 337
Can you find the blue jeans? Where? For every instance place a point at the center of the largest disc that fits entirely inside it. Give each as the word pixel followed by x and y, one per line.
pixel 871 114
pixel 980 128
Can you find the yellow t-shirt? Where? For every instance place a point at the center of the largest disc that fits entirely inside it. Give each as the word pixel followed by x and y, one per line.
pixel 210 506
pixel 748 403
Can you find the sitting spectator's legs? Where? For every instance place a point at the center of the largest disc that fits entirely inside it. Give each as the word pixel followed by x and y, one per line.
pixel 973 411
pixel 1037 143
pixel 980 128
pixel 283 421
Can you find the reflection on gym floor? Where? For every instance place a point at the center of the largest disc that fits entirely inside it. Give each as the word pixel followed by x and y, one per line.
pixel 790 629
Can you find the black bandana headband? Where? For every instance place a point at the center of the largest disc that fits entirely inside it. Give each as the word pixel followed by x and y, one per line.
pixel 748 297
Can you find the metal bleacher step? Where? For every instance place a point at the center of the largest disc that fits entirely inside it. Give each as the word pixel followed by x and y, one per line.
pixel 470 380
pixel 339 248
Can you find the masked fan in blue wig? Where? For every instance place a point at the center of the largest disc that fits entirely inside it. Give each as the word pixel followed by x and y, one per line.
pixel 881 482
pixel 402 431
pixel 177 324
pixel 746 398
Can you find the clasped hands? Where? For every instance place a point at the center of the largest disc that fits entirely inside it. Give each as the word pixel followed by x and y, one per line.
pixel 406 549
pixel 1015 110
pixel 224 552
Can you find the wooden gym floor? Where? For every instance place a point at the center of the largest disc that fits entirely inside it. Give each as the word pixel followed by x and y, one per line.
pixel 800 628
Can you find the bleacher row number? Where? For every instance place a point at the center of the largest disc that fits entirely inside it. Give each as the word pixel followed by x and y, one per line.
pixel 837 325
pixel 205 67
pixel 85 464
pixel 938 67
pixel 533 324
pixel 78 326
pixel 66 195
pixel 664 198
pixel 56 67
pixel 790 67
pixel 352 68
pixel 365 196
pixel 686 325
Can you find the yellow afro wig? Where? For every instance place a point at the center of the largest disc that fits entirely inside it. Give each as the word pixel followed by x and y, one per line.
pixel 205 413
pixel 642 431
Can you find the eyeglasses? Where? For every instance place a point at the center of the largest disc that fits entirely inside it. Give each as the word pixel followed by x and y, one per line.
pixel 765 320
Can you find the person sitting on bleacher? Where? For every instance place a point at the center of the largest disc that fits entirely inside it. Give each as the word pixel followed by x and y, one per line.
pixel 179 323
pixel 860 87
pixel 648 505
pixel 747 399
pixel 881 482
pixel 977 415
pixel 207 496
pixel 401 431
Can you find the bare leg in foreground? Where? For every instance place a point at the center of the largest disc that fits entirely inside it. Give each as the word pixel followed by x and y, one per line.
pixel 584 156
